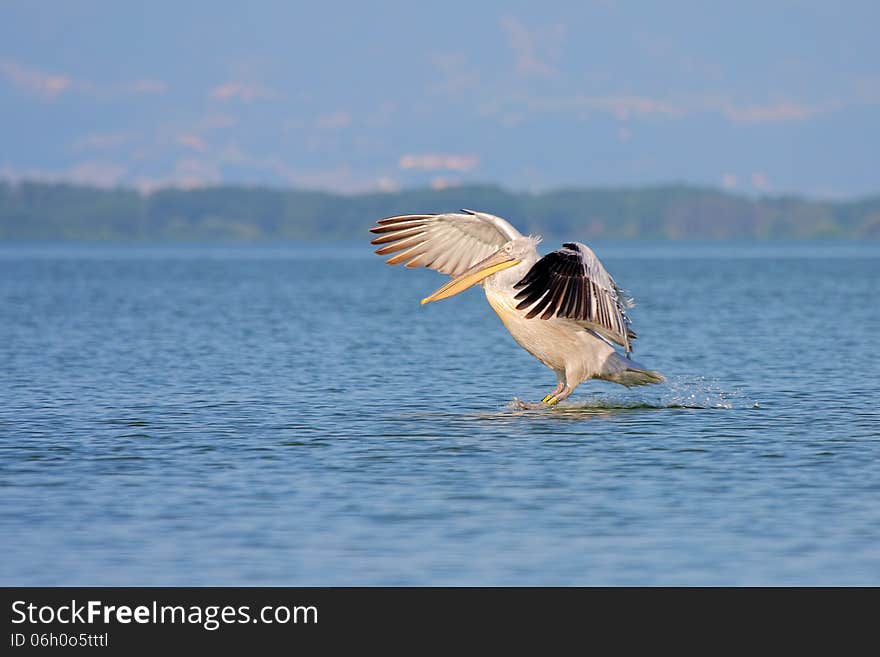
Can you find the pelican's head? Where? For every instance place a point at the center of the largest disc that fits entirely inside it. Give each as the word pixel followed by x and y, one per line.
pixel 522 248
pixel 510 254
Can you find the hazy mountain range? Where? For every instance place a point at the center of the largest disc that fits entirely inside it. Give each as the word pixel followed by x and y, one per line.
pixel 61 212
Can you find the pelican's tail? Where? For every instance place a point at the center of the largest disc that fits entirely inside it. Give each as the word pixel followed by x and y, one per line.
pixel 630 373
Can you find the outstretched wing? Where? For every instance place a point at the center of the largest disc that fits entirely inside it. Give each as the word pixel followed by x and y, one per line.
pixel 572 283
pixel 449 243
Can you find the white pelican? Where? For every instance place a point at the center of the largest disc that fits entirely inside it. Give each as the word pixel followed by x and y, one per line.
pixel 564 308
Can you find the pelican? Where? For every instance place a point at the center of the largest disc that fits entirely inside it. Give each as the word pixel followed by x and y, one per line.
pixel 563 308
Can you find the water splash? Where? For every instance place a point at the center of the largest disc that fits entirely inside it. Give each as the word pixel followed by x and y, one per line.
pixel 680 392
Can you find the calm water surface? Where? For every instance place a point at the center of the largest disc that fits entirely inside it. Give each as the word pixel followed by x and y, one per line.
pixel 291 416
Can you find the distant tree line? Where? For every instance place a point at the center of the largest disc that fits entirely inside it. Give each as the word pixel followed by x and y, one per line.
pixel 32 211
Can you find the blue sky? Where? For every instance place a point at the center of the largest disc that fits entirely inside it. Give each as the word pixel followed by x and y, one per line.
pixel 755 97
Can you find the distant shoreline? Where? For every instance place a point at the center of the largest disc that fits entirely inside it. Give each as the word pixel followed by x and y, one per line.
pixel 35 212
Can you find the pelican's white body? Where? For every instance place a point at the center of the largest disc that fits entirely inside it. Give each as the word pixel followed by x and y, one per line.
pixel 563 345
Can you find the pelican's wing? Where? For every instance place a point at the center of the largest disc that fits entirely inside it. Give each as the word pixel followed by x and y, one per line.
pixel 449 243
pixel 571 283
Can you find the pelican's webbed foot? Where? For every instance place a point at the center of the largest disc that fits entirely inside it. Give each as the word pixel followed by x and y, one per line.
pixel 562 391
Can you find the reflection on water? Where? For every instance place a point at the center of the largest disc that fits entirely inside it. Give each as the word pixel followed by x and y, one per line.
pixel 293 416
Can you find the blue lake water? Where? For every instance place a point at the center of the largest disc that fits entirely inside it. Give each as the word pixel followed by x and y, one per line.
pixel 292 416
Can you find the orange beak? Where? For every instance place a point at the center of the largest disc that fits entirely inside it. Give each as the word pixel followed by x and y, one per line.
pixel 494 263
